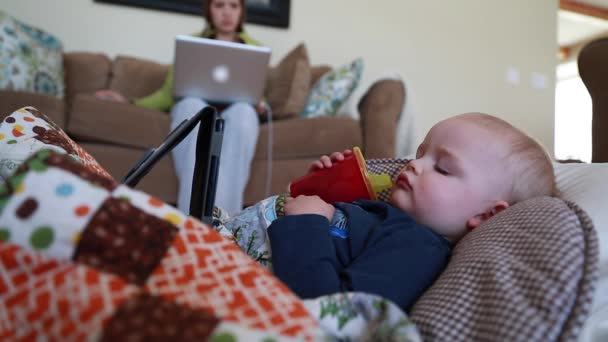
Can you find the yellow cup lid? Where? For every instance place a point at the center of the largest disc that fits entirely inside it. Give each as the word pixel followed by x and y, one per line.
pixel 375 182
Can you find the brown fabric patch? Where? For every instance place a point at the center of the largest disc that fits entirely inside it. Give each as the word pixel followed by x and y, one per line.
pixel 56 138
pixel 149 318
pixel 124 240
pixel 527 274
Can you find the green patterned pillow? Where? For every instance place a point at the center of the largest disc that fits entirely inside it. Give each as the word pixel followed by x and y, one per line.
pixel 332 90
pixel 30 59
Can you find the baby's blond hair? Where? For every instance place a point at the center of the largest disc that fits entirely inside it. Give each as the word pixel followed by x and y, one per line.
pixel 528 161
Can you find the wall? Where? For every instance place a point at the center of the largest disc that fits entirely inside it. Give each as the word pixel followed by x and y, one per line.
pixel 454 56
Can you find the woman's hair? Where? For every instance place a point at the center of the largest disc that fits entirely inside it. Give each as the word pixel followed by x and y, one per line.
pixel 209 29
pixel 528 162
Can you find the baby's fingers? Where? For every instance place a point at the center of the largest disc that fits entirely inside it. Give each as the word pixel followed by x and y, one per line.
pixel 322 163
pixel 316 165
pixel 325 161
pixel 337 156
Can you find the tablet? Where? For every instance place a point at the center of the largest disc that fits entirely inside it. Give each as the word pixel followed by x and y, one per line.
pixel 208 150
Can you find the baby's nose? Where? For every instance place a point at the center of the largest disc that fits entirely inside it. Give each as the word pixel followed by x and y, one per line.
pixel 414 166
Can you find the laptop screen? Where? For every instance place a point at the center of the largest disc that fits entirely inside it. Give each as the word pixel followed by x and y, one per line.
pixel 219 71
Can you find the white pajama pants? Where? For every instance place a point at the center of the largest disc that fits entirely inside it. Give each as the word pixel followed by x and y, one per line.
pixel 241 130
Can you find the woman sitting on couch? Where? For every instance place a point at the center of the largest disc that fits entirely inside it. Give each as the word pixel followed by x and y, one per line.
pixel 224 22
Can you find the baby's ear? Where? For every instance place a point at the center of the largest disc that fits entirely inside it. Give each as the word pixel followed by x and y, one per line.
pixel 496 207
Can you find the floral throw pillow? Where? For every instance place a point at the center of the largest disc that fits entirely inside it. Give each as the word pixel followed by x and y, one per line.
pixel 30 59
pixel 332 90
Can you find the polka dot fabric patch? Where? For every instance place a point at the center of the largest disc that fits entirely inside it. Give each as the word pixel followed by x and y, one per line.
pixel 18 141
pixel 27 131
pixel 49 210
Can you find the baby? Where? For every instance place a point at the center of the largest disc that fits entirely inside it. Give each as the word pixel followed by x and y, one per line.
pixel 468 168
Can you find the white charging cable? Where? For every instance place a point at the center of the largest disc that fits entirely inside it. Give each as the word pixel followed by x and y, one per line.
pixel 269 149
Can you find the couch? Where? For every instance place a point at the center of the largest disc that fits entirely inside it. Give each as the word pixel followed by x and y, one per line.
pixel 117 134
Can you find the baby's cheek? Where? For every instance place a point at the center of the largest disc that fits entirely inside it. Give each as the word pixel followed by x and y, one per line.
pixel 435 194
pixel 450 192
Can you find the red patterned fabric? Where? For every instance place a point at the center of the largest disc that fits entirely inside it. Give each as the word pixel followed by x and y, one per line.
pixel 199 266
pixel 41 296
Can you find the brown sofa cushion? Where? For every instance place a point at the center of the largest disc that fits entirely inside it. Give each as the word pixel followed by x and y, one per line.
pixel 118 123
pixel 136 77
pixel 316 72
pixel 282 173
pixel 84 73
pixel 309 138
pixel 117 160
pixel 288 83
pixel 11 100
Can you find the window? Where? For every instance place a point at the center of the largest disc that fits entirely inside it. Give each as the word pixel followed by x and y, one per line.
pixel 572 115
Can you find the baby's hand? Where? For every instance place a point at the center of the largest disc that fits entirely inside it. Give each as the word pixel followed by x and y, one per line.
pixel 327 162
pixel 308 205
pixel 262 107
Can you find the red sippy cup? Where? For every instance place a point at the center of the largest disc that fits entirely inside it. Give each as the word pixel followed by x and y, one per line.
pixel 345 181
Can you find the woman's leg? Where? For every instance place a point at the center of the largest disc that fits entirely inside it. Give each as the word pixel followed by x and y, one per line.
pixel 241 130
pixel 184 154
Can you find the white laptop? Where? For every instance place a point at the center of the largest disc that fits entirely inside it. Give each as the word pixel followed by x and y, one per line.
pixel 219 72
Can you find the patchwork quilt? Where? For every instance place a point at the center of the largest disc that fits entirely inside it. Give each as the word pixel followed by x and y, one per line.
pixel 83 257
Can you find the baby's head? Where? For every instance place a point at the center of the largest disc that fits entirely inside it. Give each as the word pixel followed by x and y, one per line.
pixel 468 168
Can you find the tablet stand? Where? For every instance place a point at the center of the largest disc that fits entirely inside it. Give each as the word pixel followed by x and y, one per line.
pixel 208 149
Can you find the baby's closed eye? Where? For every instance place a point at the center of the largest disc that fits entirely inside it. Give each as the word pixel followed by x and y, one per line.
pixel 441 170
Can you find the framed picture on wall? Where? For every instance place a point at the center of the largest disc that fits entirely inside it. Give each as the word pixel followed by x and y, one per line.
pixel 264 12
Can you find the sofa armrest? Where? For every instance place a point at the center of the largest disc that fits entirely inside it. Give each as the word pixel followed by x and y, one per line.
pixel 380 109
pixel 53 107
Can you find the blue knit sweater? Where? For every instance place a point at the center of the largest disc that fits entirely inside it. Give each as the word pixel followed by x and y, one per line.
pixel 382 251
